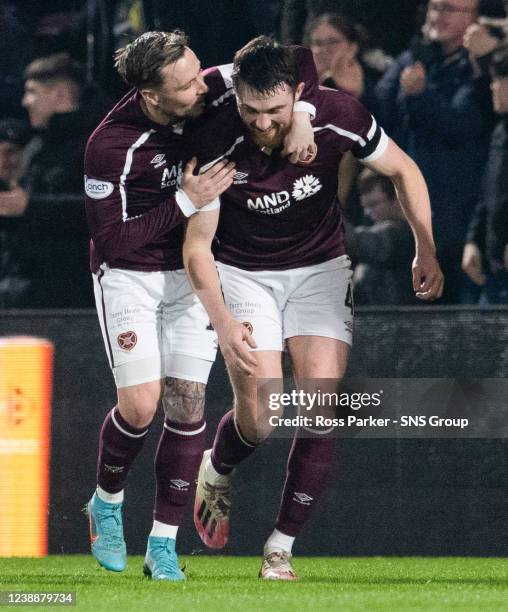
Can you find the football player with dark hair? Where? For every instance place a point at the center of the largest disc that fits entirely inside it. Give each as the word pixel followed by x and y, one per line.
pixel 140 189
pixel 284 277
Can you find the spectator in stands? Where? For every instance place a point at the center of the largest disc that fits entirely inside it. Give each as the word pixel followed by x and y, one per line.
pixel 383 252
pixel 391 24
pixel 51 184
pixel 432 104
pixel 487 35
pixel 337 44
pixel 14 135
pixel 485 257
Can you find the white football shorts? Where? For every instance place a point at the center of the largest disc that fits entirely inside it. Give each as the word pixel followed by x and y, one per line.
pixel 279 304
pixel 153 326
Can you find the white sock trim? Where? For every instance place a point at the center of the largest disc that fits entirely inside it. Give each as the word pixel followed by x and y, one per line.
pixel 185 433
pixel 213 476
pixel 319 432
pixel 127 433
pixel 109 498
pixel 162 530
pixel 279 541
pixel 240 435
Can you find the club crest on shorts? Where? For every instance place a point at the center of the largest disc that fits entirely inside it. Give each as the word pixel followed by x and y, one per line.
pixel 127 340
pixel 249 326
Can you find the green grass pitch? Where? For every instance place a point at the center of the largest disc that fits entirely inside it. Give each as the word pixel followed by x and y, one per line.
pixel 230 584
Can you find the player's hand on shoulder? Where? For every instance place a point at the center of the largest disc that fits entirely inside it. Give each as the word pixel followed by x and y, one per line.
pixel 204 188
pixel 234 341
pixel 428 280
pixel 299 145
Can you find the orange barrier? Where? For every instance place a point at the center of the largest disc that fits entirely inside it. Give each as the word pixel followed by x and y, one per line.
pixel 26 366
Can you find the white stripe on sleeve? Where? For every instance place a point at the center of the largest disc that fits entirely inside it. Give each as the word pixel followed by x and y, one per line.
pixel 238 141
pixel 127 168
pixel 341 132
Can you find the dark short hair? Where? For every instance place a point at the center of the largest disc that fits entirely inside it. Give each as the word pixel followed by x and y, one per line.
pixel 352 31
pixel 59 67
pixel 139 63
pixel 368 181
pixel 499 63
pixel 264 65
pixel 56 67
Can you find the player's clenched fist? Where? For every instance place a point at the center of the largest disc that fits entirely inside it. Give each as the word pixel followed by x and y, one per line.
pixel 428 280
pixel 205 187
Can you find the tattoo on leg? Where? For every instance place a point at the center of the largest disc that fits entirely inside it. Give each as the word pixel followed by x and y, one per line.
pixel 183 400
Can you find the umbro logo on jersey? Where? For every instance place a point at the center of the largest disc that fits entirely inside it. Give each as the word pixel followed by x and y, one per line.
pixel 306 187
pixel 302 498
pixel 179 484
pixel 159 160
pixel 239 178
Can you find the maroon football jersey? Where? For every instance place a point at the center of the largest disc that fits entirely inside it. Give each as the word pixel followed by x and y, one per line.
pixel 278 215
pixel 132 170
pixel 133 167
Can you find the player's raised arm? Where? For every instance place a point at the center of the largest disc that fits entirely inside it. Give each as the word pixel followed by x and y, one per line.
pixel 414 199
pixel 202 273
pixel 299 144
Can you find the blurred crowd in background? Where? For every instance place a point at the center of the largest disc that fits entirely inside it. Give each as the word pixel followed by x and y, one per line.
pixel 435 75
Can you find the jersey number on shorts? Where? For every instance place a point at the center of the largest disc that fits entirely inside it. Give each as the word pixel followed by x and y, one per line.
pixel 349 298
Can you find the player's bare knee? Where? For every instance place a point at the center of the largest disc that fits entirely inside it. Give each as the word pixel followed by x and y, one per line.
pixel 141 414
pixel 183 400
pixel 138 404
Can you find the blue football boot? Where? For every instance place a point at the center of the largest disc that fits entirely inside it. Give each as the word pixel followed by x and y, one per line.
pixel 161 562
pixel 106 534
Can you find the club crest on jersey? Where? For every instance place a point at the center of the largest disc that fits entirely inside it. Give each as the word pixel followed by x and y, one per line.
pixel 172 177
pixel 127 340
pixel 309 157
pixel 159 160
pixel 306 187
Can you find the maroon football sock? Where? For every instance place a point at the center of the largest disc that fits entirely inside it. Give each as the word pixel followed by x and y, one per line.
pixel 309 465
pixel 230 446
pixel 119 443
pixel 177 460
